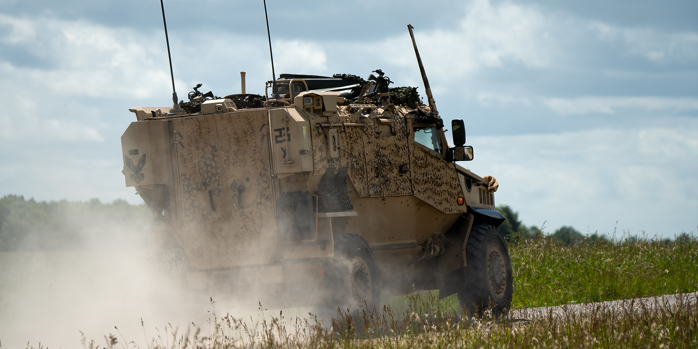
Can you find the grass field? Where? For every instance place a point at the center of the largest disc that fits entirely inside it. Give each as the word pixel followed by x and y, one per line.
pixel 548 274
pixel 545 273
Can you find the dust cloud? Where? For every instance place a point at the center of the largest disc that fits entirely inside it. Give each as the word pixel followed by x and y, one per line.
pixel 50 297
pixel 90 268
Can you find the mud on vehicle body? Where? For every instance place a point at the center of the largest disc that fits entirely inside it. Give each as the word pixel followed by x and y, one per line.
pixel 334 191
pixel 258 198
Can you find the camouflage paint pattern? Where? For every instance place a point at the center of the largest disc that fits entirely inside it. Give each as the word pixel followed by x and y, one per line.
pixel 225 189
pixel 436 181
pixel 224 186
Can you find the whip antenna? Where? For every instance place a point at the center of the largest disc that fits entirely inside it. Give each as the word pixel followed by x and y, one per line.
pixel 274 91
pixel 432 103
pixel 176 107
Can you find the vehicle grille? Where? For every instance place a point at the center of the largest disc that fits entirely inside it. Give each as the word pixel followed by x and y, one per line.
pixel 486 198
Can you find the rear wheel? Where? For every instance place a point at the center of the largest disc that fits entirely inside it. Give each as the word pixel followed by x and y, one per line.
pixel 489 282
pixel 353 279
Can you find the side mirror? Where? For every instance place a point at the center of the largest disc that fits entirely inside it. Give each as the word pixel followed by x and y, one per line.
pixel 458 130
pixel 462 153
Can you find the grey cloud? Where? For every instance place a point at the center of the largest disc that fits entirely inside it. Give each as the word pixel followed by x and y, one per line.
pixel 672 15
pixel 314 19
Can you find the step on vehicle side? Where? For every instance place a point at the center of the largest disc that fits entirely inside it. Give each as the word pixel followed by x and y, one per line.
pixel 332 193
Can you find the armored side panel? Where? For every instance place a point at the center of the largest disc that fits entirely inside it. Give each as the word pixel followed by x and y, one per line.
pixel 387 155
pixel 291 143
pixel 144 148
pixel 436 182
pixel 224 187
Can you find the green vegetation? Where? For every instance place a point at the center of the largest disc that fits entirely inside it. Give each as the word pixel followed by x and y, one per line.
pixel 32 225
pixel 567 267
pixel 513 230
pixel 547 272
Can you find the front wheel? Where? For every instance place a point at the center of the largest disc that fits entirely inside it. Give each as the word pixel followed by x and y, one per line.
pixel 489 282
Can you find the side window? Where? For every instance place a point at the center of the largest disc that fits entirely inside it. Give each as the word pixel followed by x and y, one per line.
pixel 282 88
pixel 428 137
pixel 298 87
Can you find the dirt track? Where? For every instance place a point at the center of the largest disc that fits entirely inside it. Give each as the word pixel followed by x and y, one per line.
pixel 637 305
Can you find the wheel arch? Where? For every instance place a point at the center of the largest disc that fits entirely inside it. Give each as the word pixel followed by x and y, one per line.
pixel 485 216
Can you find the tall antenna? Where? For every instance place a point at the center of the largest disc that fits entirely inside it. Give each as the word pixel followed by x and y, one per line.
pixel 274 94
pixel 176 107
pixel 432 103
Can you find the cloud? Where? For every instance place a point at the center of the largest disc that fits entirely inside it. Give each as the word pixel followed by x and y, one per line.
pixel 611 105
pixel 652 45
pixel 594 177
pixel 29 118
pixel 488 37
pixel 591 105
pixel 502 99
pixel 85 59
pixel 301 56
pixel 19 30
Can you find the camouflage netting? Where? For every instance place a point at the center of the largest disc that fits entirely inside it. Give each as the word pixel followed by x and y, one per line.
pixel 427 117
pixel 247 101
pixel 351 77
pixel 406 95
pixel 351 98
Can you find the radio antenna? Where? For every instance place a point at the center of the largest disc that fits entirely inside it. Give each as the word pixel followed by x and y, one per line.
pixel 432 103
pixel 175 108
pixel 274 94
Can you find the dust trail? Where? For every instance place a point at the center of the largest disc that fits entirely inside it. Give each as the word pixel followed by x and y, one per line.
pixel 49 296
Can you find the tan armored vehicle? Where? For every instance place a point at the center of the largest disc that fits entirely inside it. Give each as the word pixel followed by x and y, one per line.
pixel 335 192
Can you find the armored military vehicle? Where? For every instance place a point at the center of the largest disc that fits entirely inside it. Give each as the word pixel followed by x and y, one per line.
pixel 333 190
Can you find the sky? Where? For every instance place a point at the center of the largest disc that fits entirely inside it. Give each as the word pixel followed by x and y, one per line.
pixel 585 112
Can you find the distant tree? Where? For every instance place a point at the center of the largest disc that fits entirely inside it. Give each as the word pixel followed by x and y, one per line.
pixel 685 238
pixel 4 215
pixel 596 239
pixel 534 232
pixel 567 235
pixel 32 225
pixel 512 228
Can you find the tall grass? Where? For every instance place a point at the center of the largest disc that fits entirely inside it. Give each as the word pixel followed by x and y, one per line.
pixel 548 273
pixel 637 324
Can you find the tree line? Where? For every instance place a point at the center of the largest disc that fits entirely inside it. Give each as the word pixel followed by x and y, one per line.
pixel 514 230
pixel 60 225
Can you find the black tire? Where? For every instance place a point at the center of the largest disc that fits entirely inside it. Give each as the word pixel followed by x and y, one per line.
pixel 353 280
pixel 489 282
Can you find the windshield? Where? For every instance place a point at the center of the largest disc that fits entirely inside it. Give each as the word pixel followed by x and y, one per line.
pixel 282 88
pixel 428 137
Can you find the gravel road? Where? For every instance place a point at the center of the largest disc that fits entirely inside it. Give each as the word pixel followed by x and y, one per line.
pixel 636 305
